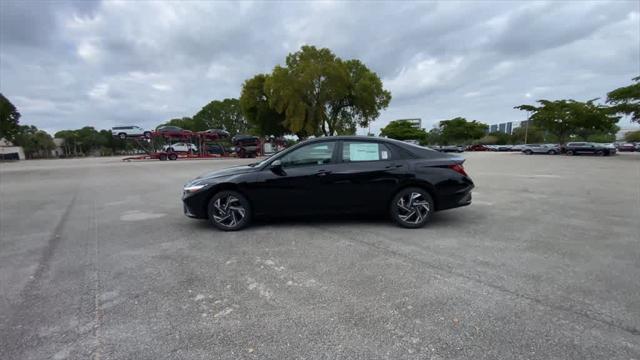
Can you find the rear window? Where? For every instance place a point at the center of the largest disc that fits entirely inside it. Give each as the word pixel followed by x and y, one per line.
pixel 353 151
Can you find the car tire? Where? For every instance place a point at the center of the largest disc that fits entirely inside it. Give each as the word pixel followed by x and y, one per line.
pixel 528 152
pixel 172 156
pixel 600 153
pixel 162 157
pixel 229 210
pixel 147 134
pixel 551 152
pixel 570 152
pixel 122 136
pixel 411 207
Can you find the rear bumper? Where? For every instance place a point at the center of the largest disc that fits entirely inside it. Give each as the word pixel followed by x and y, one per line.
pixel 457 199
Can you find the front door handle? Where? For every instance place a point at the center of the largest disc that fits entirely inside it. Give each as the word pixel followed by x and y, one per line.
pixel 323 173
pixel 394 166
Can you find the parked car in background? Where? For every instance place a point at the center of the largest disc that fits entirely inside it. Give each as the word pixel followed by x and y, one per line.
pixel 172 131
pixel 627 147
pixel 216 149
pixel 502 147
pixel 181 147
pixel 219 132
pixel 478 147
pixel 578 148
pixel 550 149
pixel 246 145
pixel 450 148
pixel 124 132
pixel 333 175
pixel 518 147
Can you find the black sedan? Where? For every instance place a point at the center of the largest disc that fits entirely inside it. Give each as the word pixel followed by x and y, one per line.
pixel 344 174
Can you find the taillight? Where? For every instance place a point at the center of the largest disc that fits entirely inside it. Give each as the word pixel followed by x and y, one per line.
pixel 458 168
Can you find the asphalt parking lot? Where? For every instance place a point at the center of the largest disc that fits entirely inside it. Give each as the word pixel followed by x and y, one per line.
pixel 98 261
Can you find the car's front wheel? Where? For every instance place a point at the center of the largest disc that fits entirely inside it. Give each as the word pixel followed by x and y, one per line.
pixel 412 207
pixel 229 210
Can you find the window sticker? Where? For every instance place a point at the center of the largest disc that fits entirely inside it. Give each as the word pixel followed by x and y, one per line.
pixel 363 152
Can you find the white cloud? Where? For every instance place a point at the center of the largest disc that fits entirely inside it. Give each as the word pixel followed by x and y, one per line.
pixel 145 62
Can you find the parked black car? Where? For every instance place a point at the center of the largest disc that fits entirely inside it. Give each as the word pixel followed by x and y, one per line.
pixel 577 148
pixel 333 175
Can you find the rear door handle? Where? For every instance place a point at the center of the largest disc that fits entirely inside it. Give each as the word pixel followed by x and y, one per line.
pixel 323 173
pixel 394 166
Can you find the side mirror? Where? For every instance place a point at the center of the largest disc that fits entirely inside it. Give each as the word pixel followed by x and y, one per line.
pixel 276 167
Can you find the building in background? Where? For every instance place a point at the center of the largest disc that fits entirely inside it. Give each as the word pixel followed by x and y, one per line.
pixel 10 152
pixel 506 127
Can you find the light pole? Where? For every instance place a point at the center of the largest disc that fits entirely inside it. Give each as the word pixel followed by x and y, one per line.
pixel 526 128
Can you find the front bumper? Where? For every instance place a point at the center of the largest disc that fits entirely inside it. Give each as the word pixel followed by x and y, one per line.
pixel 195 205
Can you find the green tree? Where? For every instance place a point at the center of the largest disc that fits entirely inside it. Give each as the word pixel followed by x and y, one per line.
pixel 262 119
pixel 225 114
pixel 319 93
pixel 500 138
pixel 632 136
pixel 35 143
pixel 533 135
pixel 9 119
pixel 459 130
pixel 185 123
pixel 626 100
pixel 403 130
pixel 488 140
pixel 566 118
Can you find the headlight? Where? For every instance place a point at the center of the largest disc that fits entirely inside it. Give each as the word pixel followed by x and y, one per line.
pixel 193 188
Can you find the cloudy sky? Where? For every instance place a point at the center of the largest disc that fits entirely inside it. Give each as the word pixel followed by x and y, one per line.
pixel 72 64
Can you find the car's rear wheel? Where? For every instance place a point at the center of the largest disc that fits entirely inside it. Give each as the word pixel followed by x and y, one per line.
pixel 173 156
pixel 122 136
pixel 551 152
pixel 147 134
pixel 412 207
pixel 528 152
pixel 162 157
pixel 570 152
pixel 229 210
pixel 600 153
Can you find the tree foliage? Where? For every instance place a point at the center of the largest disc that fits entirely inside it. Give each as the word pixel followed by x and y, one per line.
pixel 262 119
pixel 185 122
pixel 564 118
pixel 626 100
pixel 632 136
pixel 318 93
pixel 87 141
pixel 225 114
pixel 403 130
pixel 35 143
pixel 459 131
pixel 9 119
pixel 532 135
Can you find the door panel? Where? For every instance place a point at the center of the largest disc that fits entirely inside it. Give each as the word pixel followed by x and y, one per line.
pixel 301 187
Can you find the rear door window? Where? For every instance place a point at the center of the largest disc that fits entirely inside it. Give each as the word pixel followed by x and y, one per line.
pixel 355 151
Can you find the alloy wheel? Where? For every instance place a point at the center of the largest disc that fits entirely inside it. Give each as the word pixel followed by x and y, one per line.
pixel 228 211
pixel 413 208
